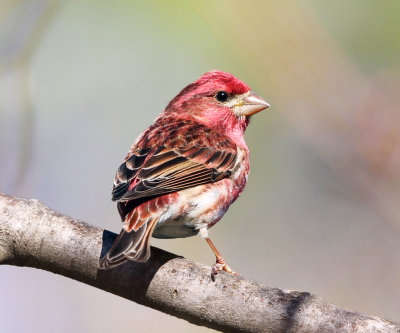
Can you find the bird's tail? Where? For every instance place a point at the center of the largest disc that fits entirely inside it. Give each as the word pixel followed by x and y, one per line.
pixel 132 245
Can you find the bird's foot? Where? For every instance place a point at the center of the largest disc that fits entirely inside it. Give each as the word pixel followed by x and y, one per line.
pixel 221 265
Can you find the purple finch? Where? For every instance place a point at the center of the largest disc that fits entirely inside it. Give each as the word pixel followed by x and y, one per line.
pixel 182 174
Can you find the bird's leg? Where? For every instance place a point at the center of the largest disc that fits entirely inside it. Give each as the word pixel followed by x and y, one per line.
pixel 220 264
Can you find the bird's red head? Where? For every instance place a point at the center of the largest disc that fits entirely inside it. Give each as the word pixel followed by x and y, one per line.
pixel 218 100
pixel 217 80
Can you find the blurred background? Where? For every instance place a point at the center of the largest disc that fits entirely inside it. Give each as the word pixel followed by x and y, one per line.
pixel 80 80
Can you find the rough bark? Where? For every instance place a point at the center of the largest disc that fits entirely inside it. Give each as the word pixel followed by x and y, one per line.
pixel 36 236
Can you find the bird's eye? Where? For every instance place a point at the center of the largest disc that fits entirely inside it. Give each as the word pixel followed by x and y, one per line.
pixel 221 96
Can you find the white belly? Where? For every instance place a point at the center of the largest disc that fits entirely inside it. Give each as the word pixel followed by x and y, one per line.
pixel 197 209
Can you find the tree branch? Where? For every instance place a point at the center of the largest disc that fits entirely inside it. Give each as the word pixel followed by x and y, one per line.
pixel 36 236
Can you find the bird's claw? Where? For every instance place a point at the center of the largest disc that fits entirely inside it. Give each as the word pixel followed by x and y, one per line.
pixel 221 265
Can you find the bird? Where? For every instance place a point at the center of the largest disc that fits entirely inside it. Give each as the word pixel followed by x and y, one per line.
pixel 185 170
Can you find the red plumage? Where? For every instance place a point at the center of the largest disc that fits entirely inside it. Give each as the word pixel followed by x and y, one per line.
pixel 182 174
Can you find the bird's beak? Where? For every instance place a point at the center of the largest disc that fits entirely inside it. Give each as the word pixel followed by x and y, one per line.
pixel 250 104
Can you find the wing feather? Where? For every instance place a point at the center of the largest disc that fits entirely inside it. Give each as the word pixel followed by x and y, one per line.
pixel 150 172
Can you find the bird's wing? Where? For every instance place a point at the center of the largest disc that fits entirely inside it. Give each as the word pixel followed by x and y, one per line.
pixel 148 173
pixel 167 170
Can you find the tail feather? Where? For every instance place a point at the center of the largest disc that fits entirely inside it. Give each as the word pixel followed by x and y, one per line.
pixel 133 245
